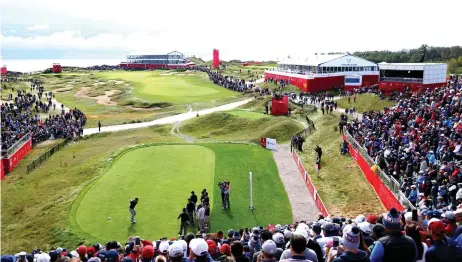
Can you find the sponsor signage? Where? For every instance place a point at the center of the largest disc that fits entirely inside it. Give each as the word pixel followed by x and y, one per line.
pixel 270 143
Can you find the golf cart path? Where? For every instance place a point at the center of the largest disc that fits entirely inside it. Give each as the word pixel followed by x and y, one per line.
pixel 303 206
pixel 166 120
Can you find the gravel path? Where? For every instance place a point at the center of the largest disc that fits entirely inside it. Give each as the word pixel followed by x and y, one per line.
pixel 176 132
pixel 303 206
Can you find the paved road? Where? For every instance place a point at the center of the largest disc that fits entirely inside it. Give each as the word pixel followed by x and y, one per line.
pixel 166 120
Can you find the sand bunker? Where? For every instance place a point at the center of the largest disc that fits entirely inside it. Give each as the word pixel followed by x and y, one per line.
pixel 181 74
pixel 99 83
pixel 102 100
pixel 166 74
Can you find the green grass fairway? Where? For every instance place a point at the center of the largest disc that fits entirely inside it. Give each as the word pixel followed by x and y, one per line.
pixel 163 177
pixel 160 86
pixel 249 114
pixel 365 102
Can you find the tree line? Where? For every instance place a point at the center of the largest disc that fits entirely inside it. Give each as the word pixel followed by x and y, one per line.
pixel 451 55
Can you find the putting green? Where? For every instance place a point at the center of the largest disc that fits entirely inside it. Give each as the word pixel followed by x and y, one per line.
pixel 165 86
pixel 163 177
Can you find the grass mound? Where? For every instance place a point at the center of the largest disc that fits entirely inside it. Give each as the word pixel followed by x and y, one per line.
pixel 365 102
pixel 227 126
pixel 342 186
pixel 274 86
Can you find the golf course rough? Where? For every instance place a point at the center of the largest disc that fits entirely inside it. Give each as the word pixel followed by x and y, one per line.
pixel 163 176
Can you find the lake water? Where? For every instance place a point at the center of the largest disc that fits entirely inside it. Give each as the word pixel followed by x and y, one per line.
pixel 31 65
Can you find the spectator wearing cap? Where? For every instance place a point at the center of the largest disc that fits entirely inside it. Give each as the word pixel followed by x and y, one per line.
pixel 412 197
pixel 237 252
pixel 199 251
pixel 366 231
pixel 160 258
pixel 90 252
pixel 229 239
pixel 146 255
pixel 225 249
pixel 443 248
pixel 350 244
pixel 395 246
pixel 297 249
pixel 53 256
pixel 163 248
pixel 330 231
pixel 176 253
pixel 265 235
pixel 112 256
pixel 268 253
pixel 82 251
pixel 451 225
pixel 215 252
pixel 278 239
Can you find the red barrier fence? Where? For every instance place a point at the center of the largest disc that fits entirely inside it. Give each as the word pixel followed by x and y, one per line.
pixel 309 185
pixel 12 158
pixel 387 198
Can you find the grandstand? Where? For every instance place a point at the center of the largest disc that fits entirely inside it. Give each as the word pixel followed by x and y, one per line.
pixel 172 60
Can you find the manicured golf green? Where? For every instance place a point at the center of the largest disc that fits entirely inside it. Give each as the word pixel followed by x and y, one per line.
pixel 165 86
pixel 162 177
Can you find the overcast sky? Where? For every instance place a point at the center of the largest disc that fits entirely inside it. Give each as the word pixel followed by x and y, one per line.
pixel 250 29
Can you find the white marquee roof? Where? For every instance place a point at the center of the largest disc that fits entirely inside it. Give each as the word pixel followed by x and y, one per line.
pixel 329 60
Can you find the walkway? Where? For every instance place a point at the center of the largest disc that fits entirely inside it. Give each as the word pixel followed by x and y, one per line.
pixel 303 206
pixel 166 120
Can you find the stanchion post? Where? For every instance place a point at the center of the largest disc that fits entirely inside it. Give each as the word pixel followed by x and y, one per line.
pixel 251 207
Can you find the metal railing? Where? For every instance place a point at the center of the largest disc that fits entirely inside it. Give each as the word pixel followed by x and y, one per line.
pixel 308 129
pixel 43 157
pixel 389 181
pixel 6 153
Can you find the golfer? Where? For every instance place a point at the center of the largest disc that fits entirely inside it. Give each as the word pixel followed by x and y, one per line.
pixel 133 204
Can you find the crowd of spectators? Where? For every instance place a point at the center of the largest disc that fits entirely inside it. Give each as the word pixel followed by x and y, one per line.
pixel 419 143
pixel 228 82
pixel 392 236
pixel 21 115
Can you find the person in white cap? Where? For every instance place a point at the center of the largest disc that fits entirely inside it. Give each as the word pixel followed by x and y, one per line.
pixel 199 251
pixel 163 248
pixel 175 252
pixel 268 253
pixel 44 257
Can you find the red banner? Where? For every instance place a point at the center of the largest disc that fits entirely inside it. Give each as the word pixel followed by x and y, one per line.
pixel 10 163
pixel 385 195
pixel 310 185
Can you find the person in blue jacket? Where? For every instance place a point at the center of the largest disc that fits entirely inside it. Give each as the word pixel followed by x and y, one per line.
pixel 413 195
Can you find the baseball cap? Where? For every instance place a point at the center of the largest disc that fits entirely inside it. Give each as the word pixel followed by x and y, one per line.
pixel 74 253
pixel 329 228
pixel 148 252
pixel 82 250
pixel 163 247
pixel 91 250
pixel 112 255
pixel 212 246
pixel 199 247
pixel 230 233
pixel 365 227
pixel 316 228
pixel 287 233
pixel 96 259
pixel 437 227
pixel 448 215
pixel 269 247
pixel 102 254
pixel 278 238
pixel 184 245
pixel 44 257
pixel 175 250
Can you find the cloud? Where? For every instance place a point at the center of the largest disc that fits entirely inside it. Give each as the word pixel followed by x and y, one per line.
pixel 37 28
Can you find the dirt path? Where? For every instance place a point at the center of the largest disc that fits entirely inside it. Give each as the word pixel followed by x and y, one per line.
pixel 176 130
pixel 303 206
